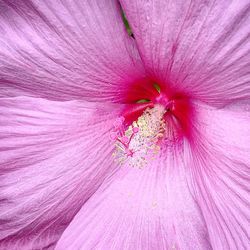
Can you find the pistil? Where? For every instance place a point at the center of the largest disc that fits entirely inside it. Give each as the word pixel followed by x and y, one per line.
pixel 140 142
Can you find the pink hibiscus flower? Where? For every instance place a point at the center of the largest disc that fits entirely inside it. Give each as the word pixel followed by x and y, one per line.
pixel 117 141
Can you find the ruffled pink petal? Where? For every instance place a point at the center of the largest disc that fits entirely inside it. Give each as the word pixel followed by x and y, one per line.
pixel 65 50
pixel 53 156
pixel 221 168
pixel 149 208
pixel 199 47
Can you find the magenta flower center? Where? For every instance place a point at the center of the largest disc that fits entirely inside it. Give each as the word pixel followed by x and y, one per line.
pixel 149 123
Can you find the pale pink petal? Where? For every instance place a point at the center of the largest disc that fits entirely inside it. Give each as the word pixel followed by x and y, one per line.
pixel 149 208
pixel 195 196
pixel 221 169
pixel 53 156
pixel 65 50
pixel 199 47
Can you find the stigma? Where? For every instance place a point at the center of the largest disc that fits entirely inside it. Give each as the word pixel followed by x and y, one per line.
pixel 139 143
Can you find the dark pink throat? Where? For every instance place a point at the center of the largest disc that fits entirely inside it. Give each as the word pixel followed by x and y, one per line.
pixel 142 95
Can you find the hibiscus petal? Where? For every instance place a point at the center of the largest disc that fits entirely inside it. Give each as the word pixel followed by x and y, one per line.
pixel 199 47
pixel 222 173
pixel 194 197
pixel 53 156
pixel 65 50
pixel 149 208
